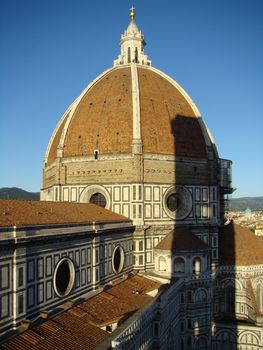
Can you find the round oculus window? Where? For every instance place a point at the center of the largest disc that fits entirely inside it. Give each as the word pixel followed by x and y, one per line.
pixel 173 201
pixel 117 259
pixel 64 277
pixel 98 199
pixel 177 202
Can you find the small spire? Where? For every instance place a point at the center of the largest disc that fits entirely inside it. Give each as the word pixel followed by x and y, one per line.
pixel 132 13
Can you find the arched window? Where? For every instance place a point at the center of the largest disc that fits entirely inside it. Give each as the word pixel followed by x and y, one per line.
pixel 136 55
pixel 129 54
pixel 179 265
pixel 197 266
pixel 162 264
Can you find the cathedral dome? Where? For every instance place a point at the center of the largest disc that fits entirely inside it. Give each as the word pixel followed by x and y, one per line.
pixel 131 108
pixel 108 112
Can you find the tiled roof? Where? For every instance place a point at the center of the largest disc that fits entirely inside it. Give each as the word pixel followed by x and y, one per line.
pixel 181 239
pixel 239 246
pixel 77 328
pixel 65 331
pixel 119 300
pixel 169 125
pixel 103 118
pixel 26 213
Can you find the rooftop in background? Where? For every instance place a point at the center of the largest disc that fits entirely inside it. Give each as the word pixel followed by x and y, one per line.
pixel 30 213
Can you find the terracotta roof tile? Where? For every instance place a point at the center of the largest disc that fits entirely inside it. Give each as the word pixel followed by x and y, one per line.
pixel 26 213
pixel 169 125
pixel 75 329
pixel 181 239
pixel 103 119
pixel 239 246
pixel 119 300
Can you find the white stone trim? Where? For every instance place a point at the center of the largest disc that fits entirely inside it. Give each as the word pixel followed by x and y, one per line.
pixel 136 112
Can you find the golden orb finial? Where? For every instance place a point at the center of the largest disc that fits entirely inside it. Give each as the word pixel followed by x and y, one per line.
pixel 132 13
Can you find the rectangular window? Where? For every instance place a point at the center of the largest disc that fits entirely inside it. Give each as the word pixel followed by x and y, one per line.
pixel 4 306
pixel 140 246
pixel 77 279
pixel 140 212
pixel 97 255
pixel 140 192
pixel 106 268
pixel 31 296
pixel 197 194
pixel 40 293
pixel 48 266
pixel 49 290
pixel 4 277
pixel 83 277
pixel 20 304
pixel 88 253
pixel 20 276
pixel 30 270
pixel 134 211
pixel 134 192
pixel 197 211
pixel 204 210
pixel 83 257
pixel 140 259
pixel 97 275
pixel 89 275
pixel 214 210
pixel 205 194
pixel 77 258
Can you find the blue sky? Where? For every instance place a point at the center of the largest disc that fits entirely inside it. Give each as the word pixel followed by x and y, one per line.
pixel 51 49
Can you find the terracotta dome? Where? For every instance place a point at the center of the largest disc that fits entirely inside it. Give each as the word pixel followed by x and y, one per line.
pixel 104 116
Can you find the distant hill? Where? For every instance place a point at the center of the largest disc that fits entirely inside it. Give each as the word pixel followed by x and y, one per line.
pixel 18 193
pixel 254 203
